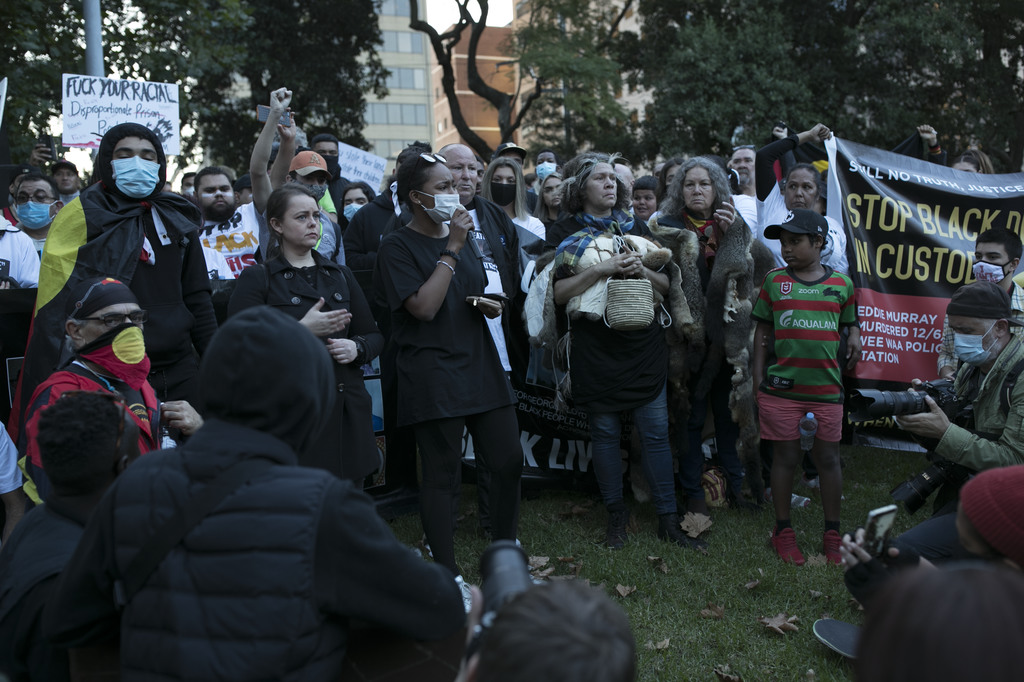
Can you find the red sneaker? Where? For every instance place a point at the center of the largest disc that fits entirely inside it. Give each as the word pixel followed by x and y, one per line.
pixel 784 543
pixel 831 542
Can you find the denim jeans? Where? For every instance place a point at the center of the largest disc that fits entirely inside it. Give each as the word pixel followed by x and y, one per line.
pixel 651 423
pixel 691 464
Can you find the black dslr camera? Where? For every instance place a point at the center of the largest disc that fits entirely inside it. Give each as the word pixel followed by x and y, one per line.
pixel 504 573
pixel 866 405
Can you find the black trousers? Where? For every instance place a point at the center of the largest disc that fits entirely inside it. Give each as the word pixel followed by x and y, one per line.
pixel 498 451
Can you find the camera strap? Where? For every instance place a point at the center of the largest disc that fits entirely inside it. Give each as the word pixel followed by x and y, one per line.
pixel 1009 383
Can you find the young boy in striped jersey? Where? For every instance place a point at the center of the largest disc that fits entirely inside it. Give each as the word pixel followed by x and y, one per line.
pixel 805 304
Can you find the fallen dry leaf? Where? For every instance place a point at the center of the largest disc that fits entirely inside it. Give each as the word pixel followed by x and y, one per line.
pixel 658 563
pixel 545 573
pixel 573 509
pixel 815 594
pixel 780 623
pixel 712 611
pixel 660 646
pixel 625 591
pixel 812 676
pixel 752 584
pixel 566 559
pixel 856 604
pixel 725 675
pixel 539 561
pixel 816 560
pixel 695 524
pixel 761 572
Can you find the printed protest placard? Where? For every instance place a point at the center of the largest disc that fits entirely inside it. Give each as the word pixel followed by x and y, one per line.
pixel 91 105
pixel 357 165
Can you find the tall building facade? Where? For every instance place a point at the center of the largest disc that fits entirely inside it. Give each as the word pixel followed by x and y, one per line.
pixel 406 114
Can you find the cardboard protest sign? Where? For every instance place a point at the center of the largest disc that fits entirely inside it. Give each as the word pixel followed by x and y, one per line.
pixel 91 105
pixel 357 165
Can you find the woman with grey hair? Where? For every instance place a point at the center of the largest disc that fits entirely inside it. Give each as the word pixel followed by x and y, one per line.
pixel 613 370
pixel 720 266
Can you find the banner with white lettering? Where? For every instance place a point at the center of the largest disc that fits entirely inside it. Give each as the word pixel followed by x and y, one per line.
pixel 911 227
pixel 91 105
pixel 360 166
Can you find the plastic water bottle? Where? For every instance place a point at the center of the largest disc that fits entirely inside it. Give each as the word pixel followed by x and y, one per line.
pixel 795 501
pixel 808 429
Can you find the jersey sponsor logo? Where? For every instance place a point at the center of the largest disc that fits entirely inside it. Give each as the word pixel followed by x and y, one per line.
pixel 788 320
pixel 834 293
pixel 779 383
pixel 786 288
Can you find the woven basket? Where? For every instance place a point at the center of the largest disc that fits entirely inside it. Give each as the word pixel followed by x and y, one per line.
pixel 630 304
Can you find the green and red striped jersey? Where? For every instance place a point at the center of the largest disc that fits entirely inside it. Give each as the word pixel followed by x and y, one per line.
pixel 806 317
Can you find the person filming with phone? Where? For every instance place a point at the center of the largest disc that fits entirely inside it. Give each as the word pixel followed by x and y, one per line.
pixel 989 415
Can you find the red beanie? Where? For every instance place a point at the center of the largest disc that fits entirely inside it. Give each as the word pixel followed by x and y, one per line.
pixel 994 503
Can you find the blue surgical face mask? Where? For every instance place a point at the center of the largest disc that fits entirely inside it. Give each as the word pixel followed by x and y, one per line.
pixel 350 210
pixel 971 347
pixel 545 169
pixel 135 176
pixel 34 215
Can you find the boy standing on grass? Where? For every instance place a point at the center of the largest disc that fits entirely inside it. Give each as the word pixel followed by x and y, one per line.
pixel 804 304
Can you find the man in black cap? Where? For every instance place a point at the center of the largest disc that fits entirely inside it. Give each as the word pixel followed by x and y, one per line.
pixel 243 190
pixel 262 581
pixel 511 150
pixel 993 358
pixel 125 227
pixel 65 174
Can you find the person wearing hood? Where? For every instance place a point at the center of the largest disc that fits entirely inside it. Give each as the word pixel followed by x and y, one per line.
pixel 124 227
pixel 265 584
pixel 104 327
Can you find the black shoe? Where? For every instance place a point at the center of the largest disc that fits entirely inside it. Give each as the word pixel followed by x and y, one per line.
pixel 615 536
pixel 668 529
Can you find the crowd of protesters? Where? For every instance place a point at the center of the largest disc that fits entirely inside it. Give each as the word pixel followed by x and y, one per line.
pixel 659 297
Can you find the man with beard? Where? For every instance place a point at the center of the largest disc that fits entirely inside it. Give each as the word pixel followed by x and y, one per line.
pixel 125 227
pixel 235 233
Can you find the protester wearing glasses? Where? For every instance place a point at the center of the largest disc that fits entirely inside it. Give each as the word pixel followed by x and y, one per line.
pixel 104 325
pixel 450 376
pixel 36 205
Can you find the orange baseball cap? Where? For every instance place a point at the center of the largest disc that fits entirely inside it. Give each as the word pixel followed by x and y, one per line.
pixel 308 162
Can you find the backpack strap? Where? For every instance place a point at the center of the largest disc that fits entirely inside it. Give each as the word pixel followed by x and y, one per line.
pixel 173 531
pixel 1009 383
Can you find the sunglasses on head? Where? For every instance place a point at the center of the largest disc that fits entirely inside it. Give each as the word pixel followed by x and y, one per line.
pixel 431 157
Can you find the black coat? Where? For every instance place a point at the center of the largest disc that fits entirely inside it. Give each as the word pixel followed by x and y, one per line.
pixel 347 447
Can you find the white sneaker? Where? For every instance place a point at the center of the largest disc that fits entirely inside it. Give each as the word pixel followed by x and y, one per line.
pixel 467 594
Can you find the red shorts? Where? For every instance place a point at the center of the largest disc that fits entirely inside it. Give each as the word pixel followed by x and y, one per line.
pixel 780 418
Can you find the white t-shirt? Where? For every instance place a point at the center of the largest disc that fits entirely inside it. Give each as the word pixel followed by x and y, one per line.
pixel 10 474
pixel 773 211
pixel 216 265
pixel 531 223
pixel 493 287
pixel 237 239
pixel 19 259
pixel 746 206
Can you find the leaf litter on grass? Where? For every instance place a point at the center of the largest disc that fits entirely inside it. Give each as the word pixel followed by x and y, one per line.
pixel 782 623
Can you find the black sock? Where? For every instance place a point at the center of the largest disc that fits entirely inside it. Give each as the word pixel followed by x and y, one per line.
pixel 782 525
pixel 832 525
pixel 614 507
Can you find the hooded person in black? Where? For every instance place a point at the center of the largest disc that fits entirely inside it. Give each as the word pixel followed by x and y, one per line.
pixel 124 227
pixel 263 587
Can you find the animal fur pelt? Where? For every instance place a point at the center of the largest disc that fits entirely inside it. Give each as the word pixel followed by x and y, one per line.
pixel 722 329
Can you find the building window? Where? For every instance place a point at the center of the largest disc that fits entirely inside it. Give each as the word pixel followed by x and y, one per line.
pixel 402 41
pixel 394 8
pixel 407 79
pixel 387 113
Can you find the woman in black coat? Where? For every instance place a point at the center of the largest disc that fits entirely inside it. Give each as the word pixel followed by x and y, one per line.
pixel 325 298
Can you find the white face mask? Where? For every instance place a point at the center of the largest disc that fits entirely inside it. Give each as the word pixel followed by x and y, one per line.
pixel 988 272
pixel 445 206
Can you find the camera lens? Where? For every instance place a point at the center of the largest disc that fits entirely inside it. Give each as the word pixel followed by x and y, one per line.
pixel 868 404
pixel 504 574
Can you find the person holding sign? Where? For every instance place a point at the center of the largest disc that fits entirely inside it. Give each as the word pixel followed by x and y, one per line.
pixel 803 305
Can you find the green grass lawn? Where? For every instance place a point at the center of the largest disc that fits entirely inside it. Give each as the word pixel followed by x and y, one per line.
pixel 668 605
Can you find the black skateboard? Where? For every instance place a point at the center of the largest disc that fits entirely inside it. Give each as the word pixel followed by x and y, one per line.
pixel 838 636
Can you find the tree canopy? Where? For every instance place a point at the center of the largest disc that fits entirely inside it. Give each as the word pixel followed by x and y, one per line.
pixel 226 55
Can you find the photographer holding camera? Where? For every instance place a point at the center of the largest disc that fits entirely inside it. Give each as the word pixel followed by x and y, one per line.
pixel 991 434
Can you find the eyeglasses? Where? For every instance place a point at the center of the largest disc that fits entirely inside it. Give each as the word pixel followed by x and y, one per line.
pixel 40 197
pixel 111 320
pixel 116 400
pixel 430 157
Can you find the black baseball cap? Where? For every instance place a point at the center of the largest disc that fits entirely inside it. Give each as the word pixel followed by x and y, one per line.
pixel 63 163
pixel 986 300
pixel 243 182
pixel 509 147
pixel 799 221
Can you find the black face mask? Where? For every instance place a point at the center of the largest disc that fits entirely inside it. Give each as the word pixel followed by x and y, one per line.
pixel 333 167
pixel 503 194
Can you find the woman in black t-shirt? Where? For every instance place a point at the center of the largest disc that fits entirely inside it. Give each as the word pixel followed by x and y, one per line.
pixel 325 298
pixel 450 377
